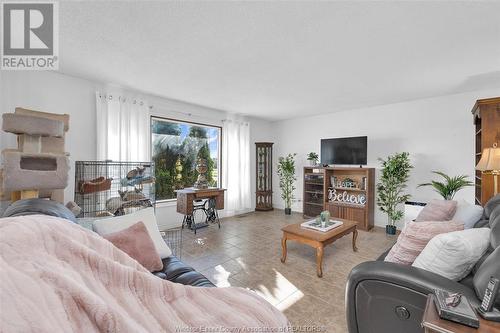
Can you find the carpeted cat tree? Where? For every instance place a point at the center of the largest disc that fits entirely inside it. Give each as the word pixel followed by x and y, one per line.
pixel 39 167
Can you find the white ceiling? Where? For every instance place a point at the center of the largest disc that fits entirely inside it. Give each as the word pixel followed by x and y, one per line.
pixel 279 60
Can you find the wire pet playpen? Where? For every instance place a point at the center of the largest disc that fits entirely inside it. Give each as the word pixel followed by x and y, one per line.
pixel 105 188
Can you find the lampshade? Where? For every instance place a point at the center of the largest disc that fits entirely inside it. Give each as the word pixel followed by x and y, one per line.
pixel 490 160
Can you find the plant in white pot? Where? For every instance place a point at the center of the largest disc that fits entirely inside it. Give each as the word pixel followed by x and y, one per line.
pixel 390 190
pixel 450 186
pixel 286 174
pixel 313 158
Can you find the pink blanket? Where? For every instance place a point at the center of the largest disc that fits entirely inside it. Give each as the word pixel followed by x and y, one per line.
pixel 58 277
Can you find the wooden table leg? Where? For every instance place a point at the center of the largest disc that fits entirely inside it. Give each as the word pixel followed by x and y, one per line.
pixel 319 260
pixel 283 248
pixel 354 237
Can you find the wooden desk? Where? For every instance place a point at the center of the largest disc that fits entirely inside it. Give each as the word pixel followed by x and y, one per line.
pixel 186 196
pixel 433 324
pixel 185 205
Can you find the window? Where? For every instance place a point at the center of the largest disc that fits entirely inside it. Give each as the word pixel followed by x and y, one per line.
pixel 176 147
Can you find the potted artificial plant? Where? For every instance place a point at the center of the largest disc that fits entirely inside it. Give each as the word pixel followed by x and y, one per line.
pixel 313 158
pixel 450 187
pixel 390 189
pixel 286 174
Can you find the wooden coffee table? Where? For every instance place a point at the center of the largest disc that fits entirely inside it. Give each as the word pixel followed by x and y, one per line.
pixel 317 239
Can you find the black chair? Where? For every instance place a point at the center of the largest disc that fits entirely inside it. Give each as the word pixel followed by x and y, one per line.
pixel 388 297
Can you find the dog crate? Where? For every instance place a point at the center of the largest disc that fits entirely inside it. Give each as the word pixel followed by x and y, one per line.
pixel 106 188
pixel 173 238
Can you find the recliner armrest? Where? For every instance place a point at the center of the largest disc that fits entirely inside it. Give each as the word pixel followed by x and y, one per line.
pixel 377 290
pixel 410 277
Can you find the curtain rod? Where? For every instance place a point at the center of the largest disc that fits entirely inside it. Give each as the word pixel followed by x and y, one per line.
pixel 189 114
pixel 124 99
pixel 151 107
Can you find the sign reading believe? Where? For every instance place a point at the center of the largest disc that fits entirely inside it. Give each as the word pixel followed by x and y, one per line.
pixel 359 199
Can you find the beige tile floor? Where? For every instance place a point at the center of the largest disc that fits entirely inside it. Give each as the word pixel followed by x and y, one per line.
pixel 246 252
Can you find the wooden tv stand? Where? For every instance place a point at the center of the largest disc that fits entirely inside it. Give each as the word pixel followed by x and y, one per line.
pixel 354 202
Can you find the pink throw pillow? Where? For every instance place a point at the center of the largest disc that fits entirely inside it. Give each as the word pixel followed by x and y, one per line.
pixel 438 210
pixel 415 237
pixel 136 242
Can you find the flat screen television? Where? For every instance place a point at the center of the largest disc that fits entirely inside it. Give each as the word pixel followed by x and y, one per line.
pixel 344 150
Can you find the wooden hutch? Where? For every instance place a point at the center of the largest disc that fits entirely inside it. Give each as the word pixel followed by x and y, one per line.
pixel 347 192
pixel 486 114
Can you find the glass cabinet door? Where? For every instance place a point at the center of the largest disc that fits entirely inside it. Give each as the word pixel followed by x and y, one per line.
pixel 264 175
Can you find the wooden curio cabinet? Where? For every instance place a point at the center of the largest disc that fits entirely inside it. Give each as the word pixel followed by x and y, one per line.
pixel 263 179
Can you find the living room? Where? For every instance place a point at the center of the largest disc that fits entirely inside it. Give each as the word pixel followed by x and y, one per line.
pixel 197 111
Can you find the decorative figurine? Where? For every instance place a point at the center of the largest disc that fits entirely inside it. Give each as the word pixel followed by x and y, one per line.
pixel 202 168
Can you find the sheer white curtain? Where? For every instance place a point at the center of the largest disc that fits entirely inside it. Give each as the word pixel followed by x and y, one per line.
pixel 123 129
pixel 236 165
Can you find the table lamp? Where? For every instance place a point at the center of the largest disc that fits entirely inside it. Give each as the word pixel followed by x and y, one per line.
pixel 490 164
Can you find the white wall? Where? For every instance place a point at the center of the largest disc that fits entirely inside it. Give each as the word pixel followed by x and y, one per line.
pixel 437 132
pixel 52 92
pixel 59 93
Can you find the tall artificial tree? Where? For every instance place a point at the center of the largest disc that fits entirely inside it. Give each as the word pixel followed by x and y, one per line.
pixel 286 174
pixel 391 188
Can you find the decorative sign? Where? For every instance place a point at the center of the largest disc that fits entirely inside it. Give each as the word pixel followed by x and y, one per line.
pixel 345 197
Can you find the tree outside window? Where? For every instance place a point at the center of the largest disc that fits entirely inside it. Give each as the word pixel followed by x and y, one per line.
pixel 176 146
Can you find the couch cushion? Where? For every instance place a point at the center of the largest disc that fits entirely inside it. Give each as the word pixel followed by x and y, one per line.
pixel 468 214
pixel 147 216
pixel 173 267
pixel 454 254
pixel 383 255
pixel 438 210
pixel 468 281
pixel 193 278
pixel 136 242
pixel 495 228
pixel 494 216
pixel 481 260
pixel 482 223
pixel 39 206
pixel 491 205
pixel 176 271
pixel 415 237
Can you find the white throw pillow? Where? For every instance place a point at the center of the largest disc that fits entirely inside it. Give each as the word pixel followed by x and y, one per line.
pixel 468 214
pixel 454 254
pixel 147 216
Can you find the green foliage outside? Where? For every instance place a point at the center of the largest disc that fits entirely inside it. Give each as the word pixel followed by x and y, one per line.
pixel 450 186
pixel 390 190
pixel 176 149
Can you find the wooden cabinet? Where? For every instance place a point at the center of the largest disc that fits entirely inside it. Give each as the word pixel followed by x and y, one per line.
pixel 348 212
pixel 486 114
pixel 348 193
pixel 314 192
pixel 263 179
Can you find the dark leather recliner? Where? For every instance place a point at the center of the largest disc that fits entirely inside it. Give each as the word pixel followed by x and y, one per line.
pixel 387 297
pixel 176 271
